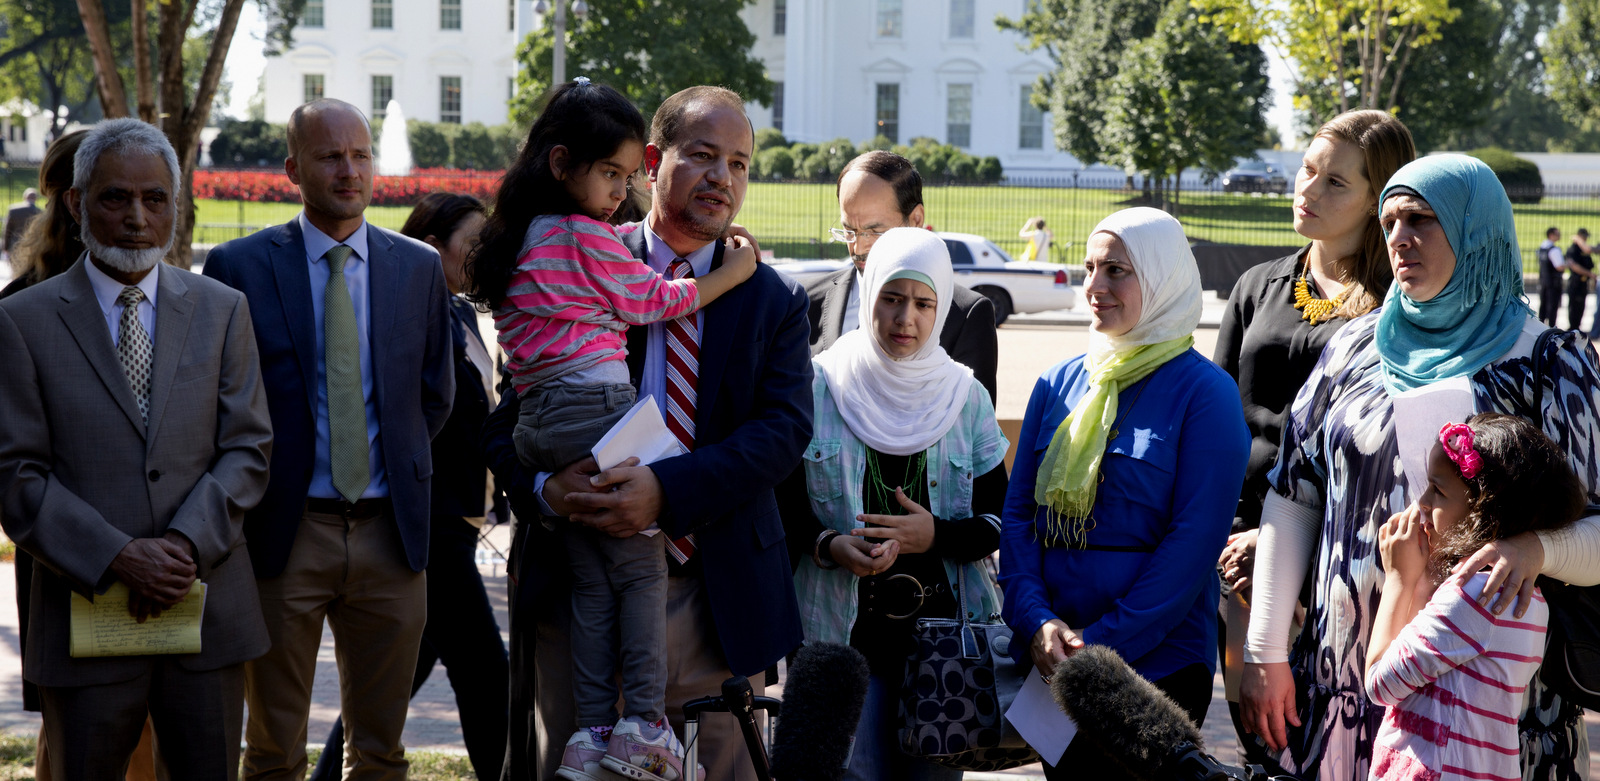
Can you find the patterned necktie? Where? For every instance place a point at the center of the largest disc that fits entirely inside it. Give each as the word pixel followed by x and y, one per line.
pixel 133 348
pixel 683 380
pixel 348 449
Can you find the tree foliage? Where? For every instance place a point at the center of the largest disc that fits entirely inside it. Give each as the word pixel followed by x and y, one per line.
pixel 1348 53
pixel 44 59
pixel 647 49
pixel 1573 60
pixel 249 143
pixel 1085 39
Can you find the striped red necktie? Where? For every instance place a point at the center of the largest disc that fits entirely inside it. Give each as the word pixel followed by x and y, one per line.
pixel 683 380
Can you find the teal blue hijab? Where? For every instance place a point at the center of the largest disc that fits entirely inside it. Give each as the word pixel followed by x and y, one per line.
pixel 1479 314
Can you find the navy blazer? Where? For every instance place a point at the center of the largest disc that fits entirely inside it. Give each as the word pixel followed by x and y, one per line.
pixel 752 422
pixel 460 471
pixel 413 375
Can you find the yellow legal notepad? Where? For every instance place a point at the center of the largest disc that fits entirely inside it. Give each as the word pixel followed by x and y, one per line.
pixel 104 627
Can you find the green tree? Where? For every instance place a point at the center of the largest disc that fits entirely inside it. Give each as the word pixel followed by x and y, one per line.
pixel 1572 56
pixel 475 149
pixel 249 142
pixel 1186 97
pixel 1085 39
pixel 43 57
pixel 430 147
pixel 647 49
pixel 1348 53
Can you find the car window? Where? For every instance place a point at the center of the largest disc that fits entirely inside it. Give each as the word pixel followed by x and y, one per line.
pixel 993 252
pixel 959 254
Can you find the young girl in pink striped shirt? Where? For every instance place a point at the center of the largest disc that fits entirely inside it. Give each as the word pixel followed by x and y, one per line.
pixel 564 291
pixel 1451 673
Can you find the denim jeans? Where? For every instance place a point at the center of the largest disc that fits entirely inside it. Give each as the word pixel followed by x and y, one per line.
pixel 877 754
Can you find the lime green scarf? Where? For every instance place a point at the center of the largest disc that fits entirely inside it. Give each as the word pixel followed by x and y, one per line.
pixel 1070 472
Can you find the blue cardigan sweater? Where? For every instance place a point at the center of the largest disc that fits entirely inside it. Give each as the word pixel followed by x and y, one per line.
pixel 1171 481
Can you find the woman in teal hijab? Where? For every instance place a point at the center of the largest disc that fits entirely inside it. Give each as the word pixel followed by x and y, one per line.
pixel 1453 337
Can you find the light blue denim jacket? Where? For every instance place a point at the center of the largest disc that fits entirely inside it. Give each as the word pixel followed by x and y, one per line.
pixel 836 463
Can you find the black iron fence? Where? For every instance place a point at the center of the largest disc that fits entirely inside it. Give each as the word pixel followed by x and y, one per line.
pixel 792 218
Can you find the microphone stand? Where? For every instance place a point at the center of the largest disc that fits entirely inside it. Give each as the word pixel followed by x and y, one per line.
pixel 738 699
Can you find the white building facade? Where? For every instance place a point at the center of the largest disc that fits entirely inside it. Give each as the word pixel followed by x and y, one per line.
pixel 906 68
pixel 444 60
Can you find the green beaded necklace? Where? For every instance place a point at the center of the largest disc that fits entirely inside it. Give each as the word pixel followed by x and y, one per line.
pixel 880 494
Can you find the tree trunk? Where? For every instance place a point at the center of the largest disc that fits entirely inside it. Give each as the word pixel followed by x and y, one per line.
pixel 108 82
pixel 144 81
pixel 183 124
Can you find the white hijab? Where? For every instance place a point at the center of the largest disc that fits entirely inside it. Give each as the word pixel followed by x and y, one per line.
pixel 1168 278
pixel 898 407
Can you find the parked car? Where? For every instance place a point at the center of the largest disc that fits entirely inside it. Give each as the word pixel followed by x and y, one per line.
pixel 1254 176
pixel 1013 286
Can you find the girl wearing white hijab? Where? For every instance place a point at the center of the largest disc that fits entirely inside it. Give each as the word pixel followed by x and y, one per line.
pixel 1127 471
pixel 904 480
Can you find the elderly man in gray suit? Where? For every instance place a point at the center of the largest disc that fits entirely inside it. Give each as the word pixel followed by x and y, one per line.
pixel 136 436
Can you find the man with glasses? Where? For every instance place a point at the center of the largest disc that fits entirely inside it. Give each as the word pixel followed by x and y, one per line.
pixel 878 191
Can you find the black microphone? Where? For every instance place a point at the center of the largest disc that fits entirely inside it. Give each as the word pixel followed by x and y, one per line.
pixel 1136 723
pixel 822 700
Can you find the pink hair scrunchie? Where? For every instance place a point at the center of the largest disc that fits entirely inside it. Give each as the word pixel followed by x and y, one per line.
pixel 1456 438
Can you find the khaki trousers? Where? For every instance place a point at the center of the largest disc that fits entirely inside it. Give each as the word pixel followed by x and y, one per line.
pixel 695 668
pixel 354 574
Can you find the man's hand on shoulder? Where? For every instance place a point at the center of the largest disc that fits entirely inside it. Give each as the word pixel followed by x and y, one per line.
pixel 627 499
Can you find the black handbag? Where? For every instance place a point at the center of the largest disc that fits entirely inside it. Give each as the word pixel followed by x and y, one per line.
pixel 958 684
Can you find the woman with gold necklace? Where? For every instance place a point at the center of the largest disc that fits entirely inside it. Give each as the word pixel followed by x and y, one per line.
pixel 1282 313
pixel 905 478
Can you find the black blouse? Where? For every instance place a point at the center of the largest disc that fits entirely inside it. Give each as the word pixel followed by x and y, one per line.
pixel 886 641
pixel 1270 349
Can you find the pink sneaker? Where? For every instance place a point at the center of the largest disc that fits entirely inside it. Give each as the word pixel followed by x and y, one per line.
pixel 645 752
pixel 585 750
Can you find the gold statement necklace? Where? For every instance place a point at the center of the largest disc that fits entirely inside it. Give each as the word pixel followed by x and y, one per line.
pixel 1314 310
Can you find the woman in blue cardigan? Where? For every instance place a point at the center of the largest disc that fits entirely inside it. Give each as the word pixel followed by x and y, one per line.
pixel 1127 472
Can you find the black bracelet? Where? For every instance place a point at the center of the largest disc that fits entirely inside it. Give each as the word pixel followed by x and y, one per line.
pixel 820 555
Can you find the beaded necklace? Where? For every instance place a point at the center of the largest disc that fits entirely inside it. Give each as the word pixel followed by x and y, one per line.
pixel 881 495
pixel 1314 310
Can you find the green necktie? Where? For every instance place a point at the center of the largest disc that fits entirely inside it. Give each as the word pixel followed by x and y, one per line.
pixel 348 450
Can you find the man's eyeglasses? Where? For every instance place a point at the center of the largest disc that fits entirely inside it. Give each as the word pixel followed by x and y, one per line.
pixel 849 236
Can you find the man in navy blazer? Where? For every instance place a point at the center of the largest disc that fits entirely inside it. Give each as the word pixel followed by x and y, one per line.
pixel 357 387
pixel 731 608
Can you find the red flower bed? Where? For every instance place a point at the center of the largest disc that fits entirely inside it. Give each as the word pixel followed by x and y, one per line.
pixel 261 186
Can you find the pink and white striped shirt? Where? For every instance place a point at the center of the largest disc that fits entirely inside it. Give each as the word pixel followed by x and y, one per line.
pixel 574 294
pixel 1453 680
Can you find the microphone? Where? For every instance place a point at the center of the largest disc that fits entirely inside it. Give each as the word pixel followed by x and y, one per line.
pixel 1135 722
pixel 822 700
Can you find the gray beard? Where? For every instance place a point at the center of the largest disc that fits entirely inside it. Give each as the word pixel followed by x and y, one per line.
pixel 128 261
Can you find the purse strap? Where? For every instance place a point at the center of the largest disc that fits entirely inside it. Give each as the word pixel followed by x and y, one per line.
pixel 969 637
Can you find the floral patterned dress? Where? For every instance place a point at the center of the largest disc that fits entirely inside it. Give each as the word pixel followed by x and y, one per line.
pixel 1340 455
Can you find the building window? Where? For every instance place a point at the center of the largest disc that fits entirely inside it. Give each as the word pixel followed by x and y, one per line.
pixel 383 14
pixel 780 17
pixel 511 87
pixel 777 106
pixel 889 18
pixel 1030 134
pixel 450 99
pixel 888 112
pixel 313 87
pixel 511 15
pixel 382 93
pixel 449 14
pixel 963 18
pixel 958 116
pixel 313 15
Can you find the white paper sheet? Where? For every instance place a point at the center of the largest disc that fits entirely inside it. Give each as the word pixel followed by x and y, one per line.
pixel 1040 721
pixel 643 433
pixel 1418 415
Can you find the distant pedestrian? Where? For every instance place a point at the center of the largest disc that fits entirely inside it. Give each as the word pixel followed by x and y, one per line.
pixel 355 335
pixel 1552 265
pixel 17 219
pixel 1580 278
pixel 1039 238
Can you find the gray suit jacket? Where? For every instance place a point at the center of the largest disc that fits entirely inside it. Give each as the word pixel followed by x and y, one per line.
pixel 81 475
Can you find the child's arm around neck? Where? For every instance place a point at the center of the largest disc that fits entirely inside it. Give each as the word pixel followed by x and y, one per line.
pixel 738 264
